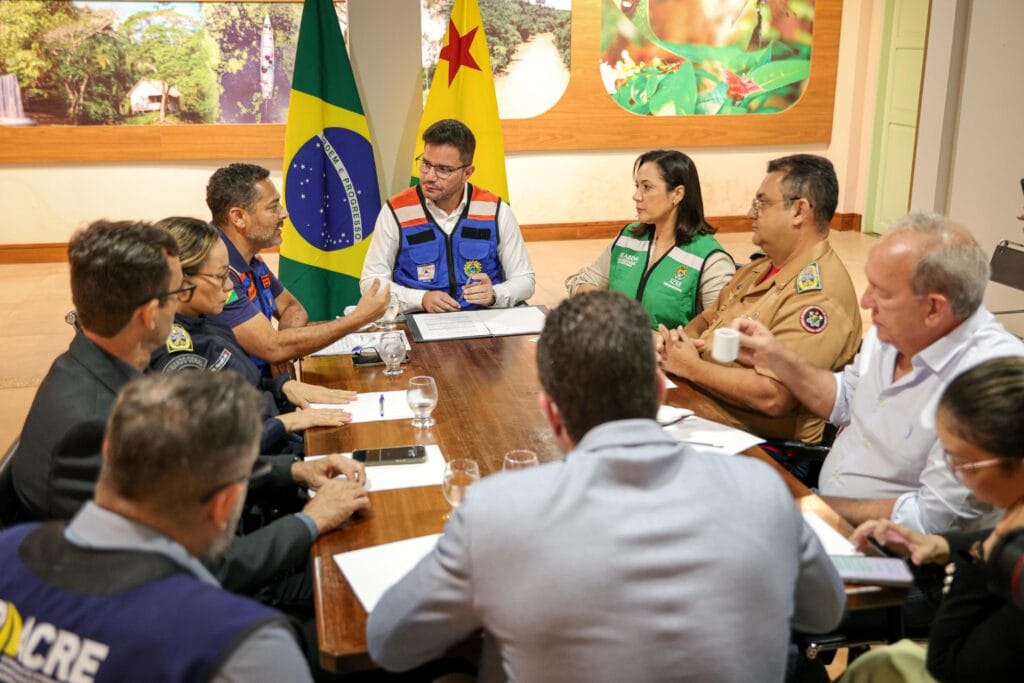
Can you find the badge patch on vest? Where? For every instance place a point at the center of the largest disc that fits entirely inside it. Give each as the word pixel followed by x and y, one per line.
pixel 628 260
pixel 676 282
pixel 472 267
pixel 425 272
pixel 813 319
pixel 809 279
pixel 179 339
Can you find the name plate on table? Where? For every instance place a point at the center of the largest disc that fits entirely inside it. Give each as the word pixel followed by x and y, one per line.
pixel 493 322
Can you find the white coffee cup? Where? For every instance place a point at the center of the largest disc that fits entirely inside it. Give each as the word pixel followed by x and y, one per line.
pixel 726 345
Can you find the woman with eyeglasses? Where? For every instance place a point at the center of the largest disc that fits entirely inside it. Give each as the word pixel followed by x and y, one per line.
pixel 196 342
pixel 668 260
pixel 978 633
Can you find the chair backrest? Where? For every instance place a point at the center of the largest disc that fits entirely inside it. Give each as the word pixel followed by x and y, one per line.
pixel 1008 264
pixel 11 510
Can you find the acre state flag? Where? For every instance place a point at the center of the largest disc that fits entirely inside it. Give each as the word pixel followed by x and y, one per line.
pixel 463 89
pixel 330 178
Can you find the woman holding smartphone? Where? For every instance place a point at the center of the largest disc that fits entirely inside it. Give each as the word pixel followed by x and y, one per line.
pixel 196 342
pixel 669 259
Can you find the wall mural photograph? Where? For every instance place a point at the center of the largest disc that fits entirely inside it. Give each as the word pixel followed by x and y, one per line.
pixel 683 57
pixel 528 42
pixel 83 62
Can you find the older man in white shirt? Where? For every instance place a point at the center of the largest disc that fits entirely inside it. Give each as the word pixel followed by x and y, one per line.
pixel 926 278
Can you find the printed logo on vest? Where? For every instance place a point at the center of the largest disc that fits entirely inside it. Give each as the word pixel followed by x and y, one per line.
pixel 813 319
pixel 676 282
pixel 41 648
pixel 425 273
pixel 472 267
pixel 628 260
pixel 179 339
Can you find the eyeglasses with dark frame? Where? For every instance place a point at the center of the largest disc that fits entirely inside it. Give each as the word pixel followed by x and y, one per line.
pixel 757 203
pixel 442 172
pixel 183 294
pixel 259 469
pixel 957 466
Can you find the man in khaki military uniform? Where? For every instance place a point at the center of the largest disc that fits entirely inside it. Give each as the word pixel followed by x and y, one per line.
pixel 801 292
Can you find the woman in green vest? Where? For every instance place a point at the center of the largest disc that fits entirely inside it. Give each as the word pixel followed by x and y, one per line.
pixel 668 260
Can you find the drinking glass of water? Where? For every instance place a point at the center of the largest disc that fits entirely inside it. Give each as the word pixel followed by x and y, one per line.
pixel 422 397
pixel 392 352
pixel 388 320
pixel 519 459
pixel 458 475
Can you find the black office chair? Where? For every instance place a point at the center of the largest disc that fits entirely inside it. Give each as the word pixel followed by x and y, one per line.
pixel 1007 266
pixel 11 511
pixel 802 460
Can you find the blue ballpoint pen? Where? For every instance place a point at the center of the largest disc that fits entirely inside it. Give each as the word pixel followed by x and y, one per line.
pixel 382 405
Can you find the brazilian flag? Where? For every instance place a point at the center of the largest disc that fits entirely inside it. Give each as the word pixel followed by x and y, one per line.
pixel 330 178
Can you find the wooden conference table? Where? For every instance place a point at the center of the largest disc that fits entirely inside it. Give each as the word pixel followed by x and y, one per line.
pixel 488 405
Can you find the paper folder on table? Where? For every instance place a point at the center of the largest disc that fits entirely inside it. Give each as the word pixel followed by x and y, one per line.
pixel 492 322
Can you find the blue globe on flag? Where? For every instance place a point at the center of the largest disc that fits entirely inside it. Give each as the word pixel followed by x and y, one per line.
pixel 332 190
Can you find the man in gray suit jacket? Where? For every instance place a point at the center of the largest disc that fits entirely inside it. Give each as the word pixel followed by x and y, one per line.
pixel 635 558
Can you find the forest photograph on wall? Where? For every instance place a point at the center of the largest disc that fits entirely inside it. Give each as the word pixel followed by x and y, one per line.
pixel 528 43
pixel 685 57
pixel 111 62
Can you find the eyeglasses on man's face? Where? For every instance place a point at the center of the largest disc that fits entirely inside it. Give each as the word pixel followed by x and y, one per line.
pixel 441 172
pixel 758 203
pixel 183 294
pixel 958 466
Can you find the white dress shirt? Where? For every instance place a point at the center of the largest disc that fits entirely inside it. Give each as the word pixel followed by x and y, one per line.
pixel 515 262
pixel 889 448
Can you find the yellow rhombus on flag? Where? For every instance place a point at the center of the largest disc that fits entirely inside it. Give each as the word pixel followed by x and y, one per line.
pixel 463 89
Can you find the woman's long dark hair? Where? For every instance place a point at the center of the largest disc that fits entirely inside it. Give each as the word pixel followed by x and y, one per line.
pixel 678 169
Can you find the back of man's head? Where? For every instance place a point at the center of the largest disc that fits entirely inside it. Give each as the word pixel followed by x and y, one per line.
pixel 233 186
pixel 115 268
pixel 596 361
pixel 813 178
pixel 452 132
pixel 174 440
pixel 950 261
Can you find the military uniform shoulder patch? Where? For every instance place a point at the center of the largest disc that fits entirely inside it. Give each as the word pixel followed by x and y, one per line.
pixel 813 319
pixel 179 339
pixel 809 279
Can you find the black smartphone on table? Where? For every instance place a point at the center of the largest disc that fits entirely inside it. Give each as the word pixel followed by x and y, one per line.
pixel 397 455
pixel 362 360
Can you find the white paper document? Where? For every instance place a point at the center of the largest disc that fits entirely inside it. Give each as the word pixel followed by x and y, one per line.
pixel 371 571
pixel 831 540
pixel 495 322
pixel 367 407
pixel 351 343
pixel 427 473
pixel 700 432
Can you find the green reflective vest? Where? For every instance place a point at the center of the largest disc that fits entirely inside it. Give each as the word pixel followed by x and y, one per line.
pixel 669 289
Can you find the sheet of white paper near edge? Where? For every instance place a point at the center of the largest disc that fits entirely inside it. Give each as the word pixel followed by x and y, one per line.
pixel 669 384
pixel 701 432
pixel 831 540
pixel 366 407
pixel 347 344
pixel 385 477
pixel 371 571
pixel 428 473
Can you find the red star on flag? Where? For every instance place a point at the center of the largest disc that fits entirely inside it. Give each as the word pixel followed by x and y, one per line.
pixel 457 51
